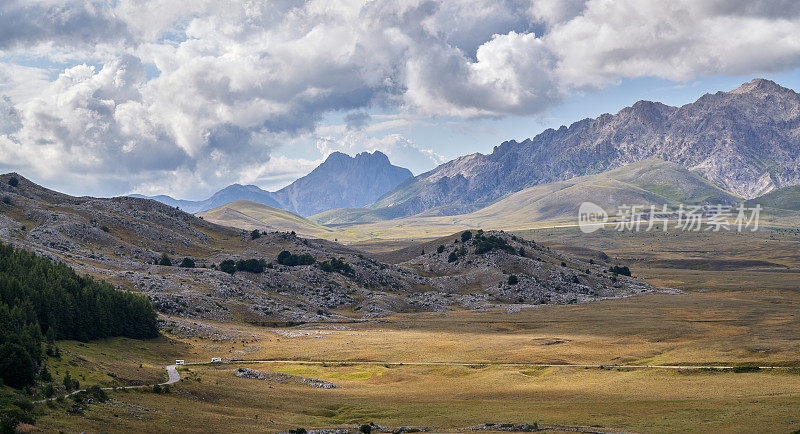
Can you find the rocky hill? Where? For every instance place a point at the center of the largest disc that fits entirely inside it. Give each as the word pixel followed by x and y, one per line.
pixel 746 141
pixel 341 181
pixel 278 277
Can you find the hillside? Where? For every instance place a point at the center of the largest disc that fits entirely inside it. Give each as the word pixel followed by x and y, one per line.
pixel 278 277
pixel 786 198
pixel 647 182
pixel 746 141
pixel 250 215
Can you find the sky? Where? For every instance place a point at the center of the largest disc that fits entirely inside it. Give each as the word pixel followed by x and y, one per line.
pixel 184 97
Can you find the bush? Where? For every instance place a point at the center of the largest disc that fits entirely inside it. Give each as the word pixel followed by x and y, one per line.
pixel 440 249
pixel 227 266
pixel 493 242
pixel 466 235
pixel 14 409
pixel 513 280
pixel 623 271
pixel 452 257
pixel 104 228
pixel 366 429
pixel 97 393
pixel 7 200
pixel 251 265
pixel 255 234
pixel 187 263
pixel 165 260
pixel 13 181
pixel 338 266
pixel 290 260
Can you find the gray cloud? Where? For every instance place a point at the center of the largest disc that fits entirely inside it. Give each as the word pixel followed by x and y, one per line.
pixel 237 80
pixel 26 23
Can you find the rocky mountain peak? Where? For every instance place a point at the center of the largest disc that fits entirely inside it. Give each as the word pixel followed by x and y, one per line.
pixel 760 86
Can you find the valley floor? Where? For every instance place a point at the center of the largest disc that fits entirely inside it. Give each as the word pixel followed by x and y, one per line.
pixel 739 306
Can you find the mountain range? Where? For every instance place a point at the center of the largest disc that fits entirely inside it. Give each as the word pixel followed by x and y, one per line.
pixel 340 181
pixel 746 141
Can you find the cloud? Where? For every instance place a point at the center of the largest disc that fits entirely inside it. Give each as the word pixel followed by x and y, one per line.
pixel 59 24
pixel 205 90
pixel 401 151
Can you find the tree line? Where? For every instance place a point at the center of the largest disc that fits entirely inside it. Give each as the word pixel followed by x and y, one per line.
pixel 39 296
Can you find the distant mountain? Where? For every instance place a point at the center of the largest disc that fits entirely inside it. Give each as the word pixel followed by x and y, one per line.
pixel 228 194
pixel 747 141
pixel 339 182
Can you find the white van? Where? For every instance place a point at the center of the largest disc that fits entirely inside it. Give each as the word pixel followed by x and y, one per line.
pixel 180 362
pixel 216 360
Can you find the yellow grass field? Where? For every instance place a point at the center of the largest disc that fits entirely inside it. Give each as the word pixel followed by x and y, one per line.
pixel 734 311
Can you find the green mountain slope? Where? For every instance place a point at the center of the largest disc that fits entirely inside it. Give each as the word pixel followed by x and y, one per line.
pixel 786 198
pixel 249 215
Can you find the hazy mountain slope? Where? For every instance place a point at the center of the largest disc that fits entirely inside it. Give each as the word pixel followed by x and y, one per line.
pixel 252 215
pixel 746 141
pixel 341 182
pixel 228 194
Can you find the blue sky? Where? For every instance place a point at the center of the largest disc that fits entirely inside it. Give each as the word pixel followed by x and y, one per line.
pixel 110 97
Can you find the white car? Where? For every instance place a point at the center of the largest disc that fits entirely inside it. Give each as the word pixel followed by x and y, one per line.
pixel 216 360
pixel 180 362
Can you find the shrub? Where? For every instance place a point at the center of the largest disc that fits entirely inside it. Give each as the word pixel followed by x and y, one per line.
pixel 165 260
pixel 255 234
pixel 104 228
pixel 14 409
pixel 513 280
pixel 563 264
pixel 290 260
pixel 97 393
pixel 227 266
pixel 187 263
pixel 575 279
pixel 440 249
pixel 13 181
pixel 486 245
pixel 251 265
pixel 7 200
pixel 337 265
pixel 624 270
pixel 452 257
pixel 366 429
pixel 466 235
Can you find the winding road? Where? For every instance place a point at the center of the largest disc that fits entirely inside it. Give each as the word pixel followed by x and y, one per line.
pixel 173 376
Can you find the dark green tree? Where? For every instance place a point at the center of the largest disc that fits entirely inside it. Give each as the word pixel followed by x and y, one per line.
pixel 187 263
pixel 165 260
